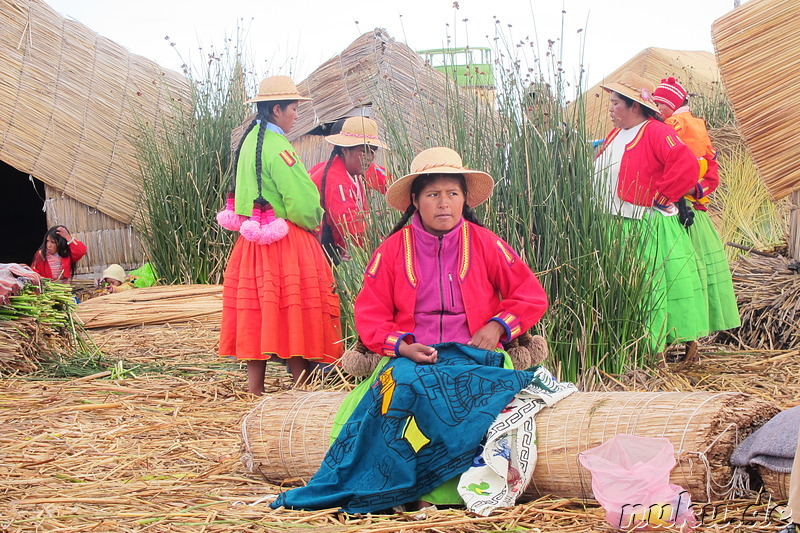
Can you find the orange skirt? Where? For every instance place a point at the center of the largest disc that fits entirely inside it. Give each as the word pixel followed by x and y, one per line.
pixel 280 300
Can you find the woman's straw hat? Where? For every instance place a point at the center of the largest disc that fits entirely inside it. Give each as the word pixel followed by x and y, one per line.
pixel 276 88
pixel 634 87
pixel 114 272
pixel 357 131
pixel 440 160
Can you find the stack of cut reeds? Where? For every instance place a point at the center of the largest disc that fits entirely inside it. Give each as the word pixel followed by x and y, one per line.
pixel 160 304
pixel 286 435
pixel 767 292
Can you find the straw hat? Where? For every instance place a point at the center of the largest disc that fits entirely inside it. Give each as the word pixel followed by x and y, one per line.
pixel 114 272
pixel 276 88
pixel 634 87
pixel 440 160
pixel 357 131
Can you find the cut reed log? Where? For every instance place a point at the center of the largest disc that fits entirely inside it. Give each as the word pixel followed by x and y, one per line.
pixel 160 304
pixel 286 436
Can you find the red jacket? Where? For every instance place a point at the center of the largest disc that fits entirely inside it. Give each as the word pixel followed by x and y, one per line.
pixel 40 265
pixel 345 201
pixel 495 284
pixel 657 167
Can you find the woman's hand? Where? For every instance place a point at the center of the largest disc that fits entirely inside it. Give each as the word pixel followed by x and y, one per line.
pixel 419 353
pixel 64 233
pixel 488 336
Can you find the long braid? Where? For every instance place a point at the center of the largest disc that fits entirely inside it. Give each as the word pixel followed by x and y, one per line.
pixel 403 219
pixel 259 164
pixel 337 150
pixel 261 117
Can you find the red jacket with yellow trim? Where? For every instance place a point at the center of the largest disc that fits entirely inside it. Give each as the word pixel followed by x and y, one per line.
pixel 692 131
pixel 657 167
pixel 495 284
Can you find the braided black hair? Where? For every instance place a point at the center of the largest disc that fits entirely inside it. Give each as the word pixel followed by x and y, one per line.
pixel 265 112
pixel 422 181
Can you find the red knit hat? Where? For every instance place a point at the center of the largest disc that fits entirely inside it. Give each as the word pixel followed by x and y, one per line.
pixel 671 93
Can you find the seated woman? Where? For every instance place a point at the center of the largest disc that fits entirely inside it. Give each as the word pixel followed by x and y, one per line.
pixel 439 296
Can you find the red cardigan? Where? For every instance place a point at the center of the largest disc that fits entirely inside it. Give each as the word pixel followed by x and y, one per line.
pixel 495 284
pixel 40 265
pixel 657 167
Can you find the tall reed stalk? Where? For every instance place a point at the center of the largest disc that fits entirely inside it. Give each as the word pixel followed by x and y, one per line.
pixel 186 165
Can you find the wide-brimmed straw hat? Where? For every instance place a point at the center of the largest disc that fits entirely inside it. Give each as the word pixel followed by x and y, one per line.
pixel 276 88
pixel 440 160
pixel 357 131
pixel 634 87
pixel 114 272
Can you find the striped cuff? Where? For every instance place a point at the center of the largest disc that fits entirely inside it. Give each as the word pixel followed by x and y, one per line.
pixel 510 323
pixel 702 188
pixel 661 200
pixel 393 340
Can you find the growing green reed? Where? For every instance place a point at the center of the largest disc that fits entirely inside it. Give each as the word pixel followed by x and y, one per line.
pixel 186 164
pixel 544 205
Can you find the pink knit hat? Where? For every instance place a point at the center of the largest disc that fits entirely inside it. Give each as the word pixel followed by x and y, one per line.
pixel 670 93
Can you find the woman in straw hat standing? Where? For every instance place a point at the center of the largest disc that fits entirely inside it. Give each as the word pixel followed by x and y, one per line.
pixel 340 181
pixel 672 101
pixel 642 170
pixel 439 295
pixel 279 301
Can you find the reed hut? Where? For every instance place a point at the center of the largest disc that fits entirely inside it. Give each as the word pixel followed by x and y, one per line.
pixel 757 47
pixel 69 105
pixel 374 76
pixel 696 70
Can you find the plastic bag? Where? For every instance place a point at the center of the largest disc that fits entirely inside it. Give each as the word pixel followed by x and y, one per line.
pixel 630 479
pixel 144 276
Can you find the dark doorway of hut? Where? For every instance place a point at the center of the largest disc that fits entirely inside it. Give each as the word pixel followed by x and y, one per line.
pixel 23 223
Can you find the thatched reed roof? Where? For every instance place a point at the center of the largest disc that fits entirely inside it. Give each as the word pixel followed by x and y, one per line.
pixel 758 51
pixel 376 71
pixel 697 71
pixel 69 99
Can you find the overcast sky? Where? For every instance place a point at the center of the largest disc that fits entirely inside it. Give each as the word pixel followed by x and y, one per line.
pixel 294 40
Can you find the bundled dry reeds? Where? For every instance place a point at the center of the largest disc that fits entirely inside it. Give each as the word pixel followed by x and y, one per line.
pixel 286 436
pixel 759 78
pixel 25 345
pixel 70 102
pixel 159 304
pixel 768 293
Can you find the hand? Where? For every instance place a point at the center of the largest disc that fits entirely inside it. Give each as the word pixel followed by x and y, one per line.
pixel 488 336
pixel 64 233
pixel 419 353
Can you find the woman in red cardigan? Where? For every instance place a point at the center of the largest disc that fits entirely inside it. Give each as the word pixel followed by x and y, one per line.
pixel 642 170
pixel 58 254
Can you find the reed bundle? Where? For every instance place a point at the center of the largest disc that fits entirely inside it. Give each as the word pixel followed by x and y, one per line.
pixel 759 79
pixel 286 436
pixel 69 103
pixel 767 292
pixel 697 71
pixel 152 305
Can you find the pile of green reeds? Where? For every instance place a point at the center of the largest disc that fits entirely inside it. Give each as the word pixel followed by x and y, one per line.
pixel 39 326
pixel 187 167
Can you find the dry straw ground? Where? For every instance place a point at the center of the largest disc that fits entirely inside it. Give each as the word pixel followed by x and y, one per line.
pixel 129 451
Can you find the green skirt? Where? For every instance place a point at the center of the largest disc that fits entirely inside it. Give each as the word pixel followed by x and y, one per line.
pixel 723 312
pixel 444 494
pixel 677 308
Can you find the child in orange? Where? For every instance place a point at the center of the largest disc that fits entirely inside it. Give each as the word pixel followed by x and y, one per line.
pixel 672 101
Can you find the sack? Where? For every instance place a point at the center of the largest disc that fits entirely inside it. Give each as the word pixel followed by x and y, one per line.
pixel 144 276
pixel 630 479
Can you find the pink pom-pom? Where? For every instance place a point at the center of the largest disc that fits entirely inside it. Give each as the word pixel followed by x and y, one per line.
pixel 274 231
pixel 229 220
pixel 250 230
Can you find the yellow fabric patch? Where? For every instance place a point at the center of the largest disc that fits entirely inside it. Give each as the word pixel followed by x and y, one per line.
pixel 288 158
pixel 415 437
pixel 388 385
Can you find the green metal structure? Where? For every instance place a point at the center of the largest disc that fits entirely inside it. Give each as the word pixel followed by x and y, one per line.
pixel 468 66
